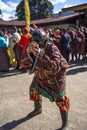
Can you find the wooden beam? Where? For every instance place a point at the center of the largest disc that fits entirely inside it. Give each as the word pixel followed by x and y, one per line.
pixel 78 8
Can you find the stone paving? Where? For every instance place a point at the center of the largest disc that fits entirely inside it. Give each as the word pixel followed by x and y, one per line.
pixel 15 103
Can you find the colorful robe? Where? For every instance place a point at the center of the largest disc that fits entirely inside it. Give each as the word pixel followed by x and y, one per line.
pixel 50 72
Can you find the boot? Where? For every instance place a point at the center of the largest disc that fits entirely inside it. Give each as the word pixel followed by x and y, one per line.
pixel 64 116
pixel 38 108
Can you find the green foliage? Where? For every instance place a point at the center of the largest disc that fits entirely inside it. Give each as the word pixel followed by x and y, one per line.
pixel 39 9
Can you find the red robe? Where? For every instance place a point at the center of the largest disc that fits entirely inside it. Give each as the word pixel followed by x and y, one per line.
pixel 24 41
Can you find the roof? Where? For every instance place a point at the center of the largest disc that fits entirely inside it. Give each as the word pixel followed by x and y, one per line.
pixel 38 22
pixel 12 23
pixel 58 19
pixel 80 8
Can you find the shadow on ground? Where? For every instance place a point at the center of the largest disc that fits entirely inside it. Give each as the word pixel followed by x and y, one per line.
pixel 14 123
pixel 77 67
pixel 76 70
pixel 11 72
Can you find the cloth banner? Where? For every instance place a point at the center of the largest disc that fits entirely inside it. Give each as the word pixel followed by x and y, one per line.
pixel 27 13
pixel 11 56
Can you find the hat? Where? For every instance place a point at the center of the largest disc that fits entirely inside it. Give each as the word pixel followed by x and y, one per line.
pixel 25 29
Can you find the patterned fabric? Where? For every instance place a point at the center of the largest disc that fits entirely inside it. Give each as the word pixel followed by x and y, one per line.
pixel 63 103
pixel 34 95
pixel 4 59
pixel 50 72
pixel 50 79
pixel 26 62
pixel 46 94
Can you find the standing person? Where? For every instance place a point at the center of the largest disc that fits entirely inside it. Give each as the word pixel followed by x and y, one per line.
pixel 85 33
pixel 4 58
pixel 65 44
pixel 49 67
pixel 5 35
pixel 24 42
pixel 25 39
pixel 73 44
pixel 15 38
pixel 56 38
pixel 81 43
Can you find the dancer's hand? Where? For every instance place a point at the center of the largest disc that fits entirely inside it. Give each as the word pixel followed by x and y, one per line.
pixel 33 48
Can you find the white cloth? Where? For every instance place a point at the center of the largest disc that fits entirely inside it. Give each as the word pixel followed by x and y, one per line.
pixel 79 39
pixel 15 37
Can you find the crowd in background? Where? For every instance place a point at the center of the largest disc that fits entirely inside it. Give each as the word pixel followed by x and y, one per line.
pixel 71 42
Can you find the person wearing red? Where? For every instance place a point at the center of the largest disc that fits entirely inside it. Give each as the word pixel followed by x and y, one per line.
pixel 25 39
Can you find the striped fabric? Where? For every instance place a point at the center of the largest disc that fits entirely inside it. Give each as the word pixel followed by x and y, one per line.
pixel 4 59
pixel 63 103
pixel 34 95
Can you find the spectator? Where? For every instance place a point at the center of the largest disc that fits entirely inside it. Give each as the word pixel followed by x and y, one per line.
pixel 25 39
pixel 14 45
pixel 65 44
pixel 5 36
pixel 4 58
pixel 81 43
pixel 56 38
pixel 73 44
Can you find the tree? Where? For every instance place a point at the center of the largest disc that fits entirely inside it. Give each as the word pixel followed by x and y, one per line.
pixel 39 9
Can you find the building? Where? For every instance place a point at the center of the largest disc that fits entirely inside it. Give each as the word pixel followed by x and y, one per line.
pixel 75 16
pixel 81 9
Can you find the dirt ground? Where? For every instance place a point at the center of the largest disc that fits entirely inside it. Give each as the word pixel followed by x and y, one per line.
pixel 15 103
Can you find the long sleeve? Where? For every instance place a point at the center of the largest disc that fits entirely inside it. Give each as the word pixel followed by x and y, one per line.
pixel 51 59
pixel 26 62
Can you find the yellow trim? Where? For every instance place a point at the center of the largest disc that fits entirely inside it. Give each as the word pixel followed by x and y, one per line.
pixel 27 13
pixel 75 8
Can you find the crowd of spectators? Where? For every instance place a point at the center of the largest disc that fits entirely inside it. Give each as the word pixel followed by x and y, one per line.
pixel 71 42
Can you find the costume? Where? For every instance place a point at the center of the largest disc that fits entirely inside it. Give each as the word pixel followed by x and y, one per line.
pixel 24 41
pixel 81 43
pixel 56 39
pixel 65 44
pixel 49 81
pixel 4 58
pixel 14 45
pixel 73 45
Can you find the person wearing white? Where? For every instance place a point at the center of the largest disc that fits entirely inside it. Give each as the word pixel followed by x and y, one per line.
pixel 15 38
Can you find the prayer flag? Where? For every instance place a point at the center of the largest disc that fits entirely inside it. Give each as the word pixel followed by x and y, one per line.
pixel 27 13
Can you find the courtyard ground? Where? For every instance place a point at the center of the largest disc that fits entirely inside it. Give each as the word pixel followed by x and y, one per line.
pixel 15 103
